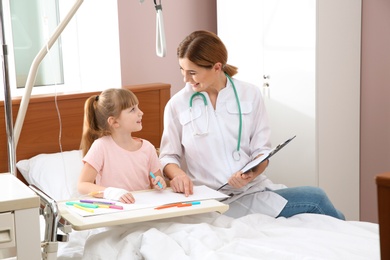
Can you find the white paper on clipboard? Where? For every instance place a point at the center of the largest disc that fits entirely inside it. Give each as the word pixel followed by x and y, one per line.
pixel 266 156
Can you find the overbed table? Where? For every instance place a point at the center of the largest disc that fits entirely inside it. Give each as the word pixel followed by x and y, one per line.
pixel 132 214
pixel 79 222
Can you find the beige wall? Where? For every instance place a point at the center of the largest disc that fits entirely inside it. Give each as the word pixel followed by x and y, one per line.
pixel 141 65
pixel 375 103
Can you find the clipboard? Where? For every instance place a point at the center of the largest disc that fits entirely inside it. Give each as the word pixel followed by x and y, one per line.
pixel 250 165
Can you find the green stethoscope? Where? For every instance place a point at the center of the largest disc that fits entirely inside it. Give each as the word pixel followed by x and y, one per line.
pixel 236 153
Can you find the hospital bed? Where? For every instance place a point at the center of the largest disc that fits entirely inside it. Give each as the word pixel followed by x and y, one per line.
pixel 202 235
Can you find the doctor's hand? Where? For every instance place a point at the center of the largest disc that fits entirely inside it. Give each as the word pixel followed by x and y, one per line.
pixel 239 179
pixel 183 184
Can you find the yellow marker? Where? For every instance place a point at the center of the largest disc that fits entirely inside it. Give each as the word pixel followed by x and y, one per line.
pixel 110 206
pixel 86 209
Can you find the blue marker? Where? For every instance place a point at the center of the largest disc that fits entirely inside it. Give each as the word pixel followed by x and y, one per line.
pixel 154 177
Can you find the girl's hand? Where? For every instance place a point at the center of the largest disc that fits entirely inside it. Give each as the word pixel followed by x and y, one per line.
pixel 127 198
pixel 118 194
pixel 162 183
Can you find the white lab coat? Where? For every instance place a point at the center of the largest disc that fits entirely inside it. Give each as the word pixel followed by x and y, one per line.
pixel 208 159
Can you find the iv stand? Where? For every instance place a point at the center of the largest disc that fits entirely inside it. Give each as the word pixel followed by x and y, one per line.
pixel 7 98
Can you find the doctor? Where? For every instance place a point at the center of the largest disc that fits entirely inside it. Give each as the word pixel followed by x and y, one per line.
pixel 214 126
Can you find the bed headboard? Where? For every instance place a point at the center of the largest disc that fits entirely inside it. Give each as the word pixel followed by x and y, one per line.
pixel 41 128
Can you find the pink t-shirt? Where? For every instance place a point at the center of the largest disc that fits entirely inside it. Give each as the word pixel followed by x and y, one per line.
pixel 120 168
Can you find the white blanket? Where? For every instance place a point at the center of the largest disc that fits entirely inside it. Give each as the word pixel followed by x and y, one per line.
pixel 214 236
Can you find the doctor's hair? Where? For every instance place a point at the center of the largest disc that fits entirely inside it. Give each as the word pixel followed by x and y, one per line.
pixel 97 110
pixel 205 49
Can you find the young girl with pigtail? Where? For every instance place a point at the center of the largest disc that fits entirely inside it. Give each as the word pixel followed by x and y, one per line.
pixel 115 162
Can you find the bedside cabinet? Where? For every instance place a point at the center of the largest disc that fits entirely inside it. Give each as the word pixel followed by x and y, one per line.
pixel 19 220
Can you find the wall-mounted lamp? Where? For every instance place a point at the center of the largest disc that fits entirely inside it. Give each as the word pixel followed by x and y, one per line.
pixel 160 34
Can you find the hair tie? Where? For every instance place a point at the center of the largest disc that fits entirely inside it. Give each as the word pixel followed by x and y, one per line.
pixel 97 98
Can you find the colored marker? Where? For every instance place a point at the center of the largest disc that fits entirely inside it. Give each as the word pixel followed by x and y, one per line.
pixel 85 209
pixel 154 177
pixel 115 207
pixel 110 206
pixel 98 202
pixel 179 205
pixel 190 203
pixel 185 205
pixel 104 206
pixel 169 206
pixel 85 205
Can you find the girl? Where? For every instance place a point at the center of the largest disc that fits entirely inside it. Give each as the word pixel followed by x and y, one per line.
pixel 115 162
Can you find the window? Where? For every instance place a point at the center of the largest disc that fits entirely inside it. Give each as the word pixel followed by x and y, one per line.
pixel 31 23
pixel 86 57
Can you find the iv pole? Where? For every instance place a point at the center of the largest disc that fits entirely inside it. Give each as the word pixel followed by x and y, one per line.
pixel 7 97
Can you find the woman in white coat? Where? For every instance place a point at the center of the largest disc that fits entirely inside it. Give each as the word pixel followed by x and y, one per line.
pixel 214 126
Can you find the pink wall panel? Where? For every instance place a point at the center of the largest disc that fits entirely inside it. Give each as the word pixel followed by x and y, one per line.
pixel 137 28
pixel 375 103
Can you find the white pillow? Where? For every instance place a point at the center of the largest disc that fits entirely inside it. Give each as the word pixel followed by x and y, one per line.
pixel 55 174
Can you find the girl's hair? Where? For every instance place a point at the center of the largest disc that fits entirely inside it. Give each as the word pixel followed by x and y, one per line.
pixel 97 110
pixel 205 48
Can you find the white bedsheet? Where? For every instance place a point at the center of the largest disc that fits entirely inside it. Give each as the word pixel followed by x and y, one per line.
pixel 214 236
